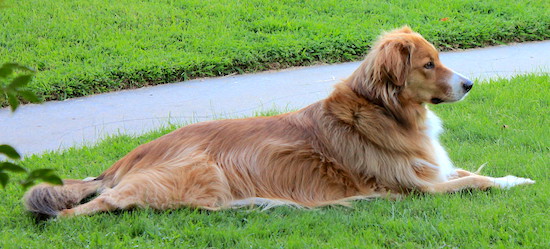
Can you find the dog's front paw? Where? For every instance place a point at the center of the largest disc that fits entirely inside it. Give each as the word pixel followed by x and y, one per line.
pixel 510 181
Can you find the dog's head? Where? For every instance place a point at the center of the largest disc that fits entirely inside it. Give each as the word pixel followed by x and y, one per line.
pixel 403 67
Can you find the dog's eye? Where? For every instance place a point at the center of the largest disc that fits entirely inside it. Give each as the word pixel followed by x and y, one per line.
pixel 429 65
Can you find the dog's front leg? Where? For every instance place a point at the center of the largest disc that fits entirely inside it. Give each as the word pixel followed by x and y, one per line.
pixel 473 181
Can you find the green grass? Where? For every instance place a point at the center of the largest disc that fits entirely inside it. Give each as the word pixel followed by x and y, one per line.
pixel 85 47
pixel 475 135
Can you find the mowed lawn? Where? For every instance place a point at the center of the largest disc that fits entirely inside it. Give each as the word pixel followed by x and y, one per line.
pixel 85 47
pixel 502 123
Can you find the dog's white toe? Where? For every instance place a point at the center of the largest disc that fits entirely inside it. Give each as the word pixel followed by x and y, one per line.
pixel 511 181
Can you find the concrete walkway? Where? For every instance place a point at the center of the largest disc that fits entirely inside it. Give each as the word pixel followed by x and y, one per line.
pixel 57 125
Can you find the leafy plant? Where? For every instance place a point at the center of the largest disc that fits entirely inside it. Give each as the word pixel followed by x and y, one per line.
pixel 13 91
pixel 15 88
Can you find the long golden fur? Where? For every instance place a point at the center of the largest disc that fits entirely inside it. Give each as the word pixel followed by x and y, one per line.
pixel 372 137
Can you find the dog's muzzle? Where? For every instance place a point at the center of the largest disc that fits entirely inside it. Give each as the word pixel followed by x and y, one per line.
pixel 460 85
pixel 467 85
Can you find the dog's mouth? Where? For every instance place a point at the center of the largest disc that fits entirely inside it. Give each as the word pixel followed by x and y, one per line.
pixel 436 101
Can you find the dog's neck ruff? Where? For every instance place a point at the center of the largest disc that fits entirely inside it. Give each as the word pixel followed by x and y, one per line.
pixel 434 128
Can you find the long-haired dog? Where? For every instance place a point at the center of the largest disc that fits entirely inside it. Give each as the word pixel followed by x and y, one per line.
pixel 372 137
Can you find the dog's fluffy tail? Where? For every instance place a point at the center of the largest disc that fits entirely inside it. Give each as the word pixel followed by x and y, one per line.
pixel 46 200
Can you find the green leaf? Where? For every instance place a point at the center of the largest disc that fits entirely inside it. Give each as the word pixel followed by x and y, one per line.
pixel 9 151
pixel 6 70
pixel 53 179
pixel 46 175
pixel 20 81
pixel 38 173
pixel 27 183
pixel 4 178
pixel 13 101
pixel 29 96
pixel 12 167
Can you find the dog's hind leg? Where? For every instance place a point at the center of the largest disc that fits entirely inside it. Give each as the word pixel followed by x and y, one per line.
pixel 462 173
pixel 109 200
pixel 198 184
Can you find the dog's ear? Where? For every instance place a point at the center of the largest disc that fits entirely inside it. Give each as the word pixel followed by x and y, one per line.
pixel 392 62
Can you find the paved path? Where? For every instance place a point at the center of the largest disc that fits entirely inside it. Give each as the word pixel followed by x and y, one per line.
pixel 57 125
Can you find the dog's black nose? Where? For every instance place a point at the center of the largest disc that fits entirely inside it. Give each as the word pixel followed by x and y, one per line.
pixel 467 85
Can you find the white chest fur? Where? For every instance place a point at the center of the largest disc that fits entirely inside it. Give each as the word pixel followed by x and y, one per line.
pixel 434 129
